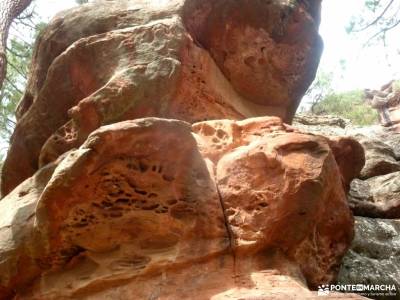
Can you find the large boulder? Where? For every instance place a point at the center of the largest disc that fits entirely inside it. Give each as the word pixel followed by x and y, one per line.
pixel 120 206
pixel 379 157
pixel 149 204
pixel 191 60
pixel 374 257
pixel 392 139
pixel 377 197
pixel 17 241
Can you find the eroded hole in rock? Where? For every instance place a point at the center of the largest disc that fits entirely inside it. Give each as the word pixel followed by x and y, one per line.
pixel 143 166
pixel 23 193
pixel 122 201
pixel 250 61
pixel 221 134
pixel 182 210
pixel 168 178
pixel 60 258
pixel 128 185
pixel 172 201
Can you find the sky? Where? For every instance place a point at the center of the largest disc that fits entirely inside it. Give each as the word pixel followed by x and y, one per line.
pixel 48 8
pixel 366 67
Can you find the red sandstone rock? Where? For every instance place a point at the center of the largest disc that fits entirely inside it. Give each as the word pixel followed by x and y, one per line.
pixel 216 279
pixel 350 157
pixel 285 179
pixel 118 204
pixel 17 235
pixel 123 203
pixel 185 59
pixel 213 208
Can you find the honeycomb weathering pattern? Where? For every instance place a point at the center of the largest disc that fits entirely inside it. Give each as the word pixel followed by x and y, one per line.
pixel 190 60
pixel 158 194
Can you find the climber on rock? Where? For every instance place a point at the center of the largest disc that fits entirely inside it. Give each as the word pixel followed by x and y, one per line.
pixel 384 101
pixel 377 99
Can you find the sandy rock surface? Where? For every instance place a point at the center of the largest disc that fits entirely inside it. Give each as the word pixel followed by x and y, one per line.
pixel 190 60
pixel 254 193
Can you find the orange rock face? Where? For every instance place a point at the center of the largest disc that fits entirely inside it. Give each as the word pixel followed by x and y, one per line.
pixel 156 197
pixel 183 59
pixel 151 159
pixel 273 178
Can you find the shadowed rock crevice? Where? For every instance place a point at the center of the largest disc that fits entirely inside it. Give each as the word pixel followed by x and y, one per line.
pixel 228 231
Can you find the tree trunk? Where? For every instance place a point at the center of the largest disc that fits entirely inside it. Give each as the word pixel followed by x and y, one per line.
pixel 9 10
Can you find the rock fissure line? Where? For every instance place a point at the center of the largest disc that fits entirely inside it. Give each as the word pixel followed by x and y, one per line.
pixel 228 230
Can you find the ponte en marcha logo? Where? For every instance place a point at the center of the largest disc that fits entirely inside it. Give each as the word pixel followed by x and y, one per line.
pixel 362 289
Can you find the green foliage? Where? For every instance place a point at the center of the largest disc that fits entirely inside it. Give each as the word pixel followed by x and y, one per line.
pixel 396 85
pixel 321 98
pixel 18 58
pixel 319 89
pixel 372 5
pixel 349 105
pixel 352 24
pixel 376 19
pixel 19 54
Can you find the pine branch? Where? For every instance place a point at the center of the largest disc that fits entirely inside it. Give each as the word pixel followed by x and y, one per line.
pixel 376 20
pixel 17 54
pixel 14 86
pixel 21 73
pixel 382 31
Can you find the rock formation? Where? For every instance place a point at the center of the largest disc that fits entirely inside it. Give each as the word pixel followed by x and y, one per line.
pixel 375 200
pixel 387 102
pixel 191 60
pixel 374 255
pixel 151 159
pixel 153 195
pixel 375 193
